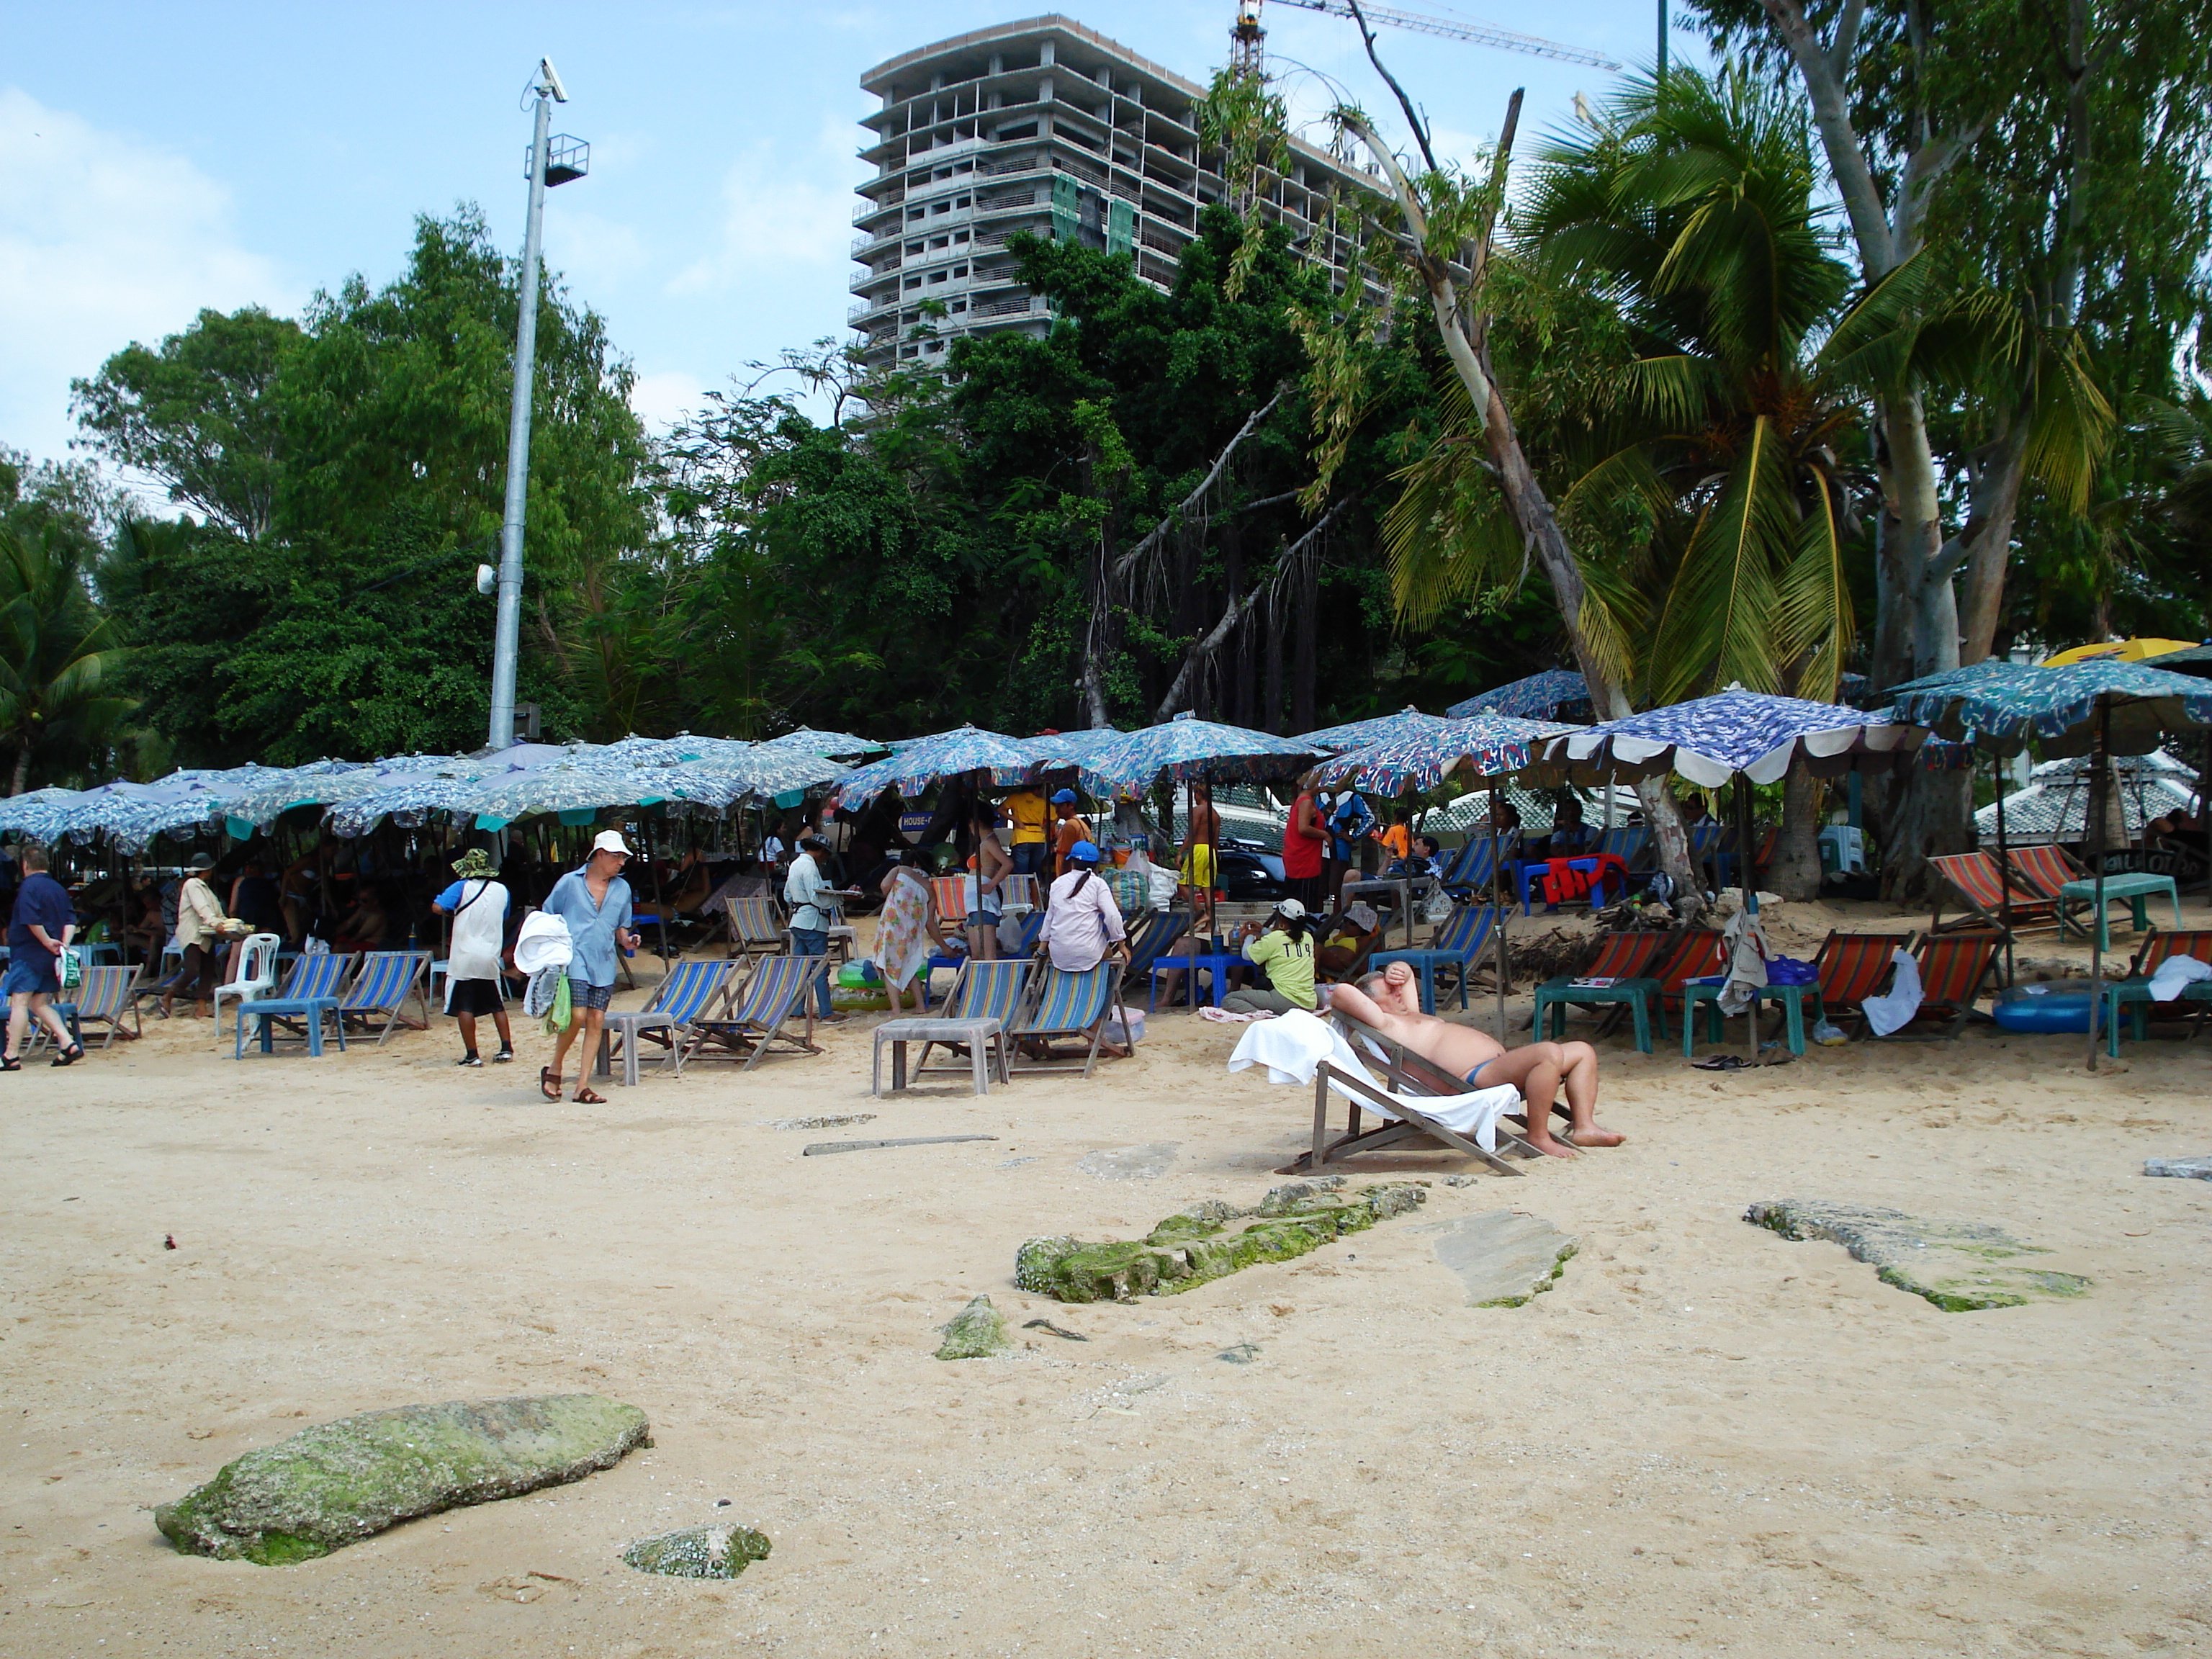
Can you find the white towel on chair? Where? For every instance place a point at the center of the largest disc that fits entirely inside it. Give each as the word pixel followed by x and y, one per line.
pixel 1292 1046
pixel 1895 1008
pixel 2173 974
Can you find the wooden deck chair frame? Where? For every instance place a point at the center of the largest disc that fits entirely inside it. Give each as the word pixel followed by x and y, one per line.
pixel 393 997
pixel 1026 1029
pixel 762 1026
pixel 1841 1007
pixel 1978 880
pixel 623 1032
pixel 2130 995
pixel 1157 933
pixel 1639 952
pixel 1951 989
pixel 96 1003
pixel 756 928
pixel 994 1001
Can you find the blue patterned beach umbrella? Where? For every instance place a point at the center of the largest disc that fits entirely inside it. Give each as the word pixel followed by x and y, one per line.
pixel 1485 746
pixel 1189 750
pixel 1555 693
pixel 1407 722
pixel 2002 706
pixel 40 815
pixel 834 745
pixel 1711 739
pixel 916 764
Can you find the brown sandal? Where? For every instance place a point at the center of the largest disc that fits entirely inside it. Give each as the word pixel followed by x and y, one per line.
pixel 585 1097
pixel 547 1084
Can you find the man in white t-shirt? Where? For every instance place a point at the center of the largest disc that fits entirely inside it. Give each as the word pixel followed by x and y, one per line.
pixel 477 905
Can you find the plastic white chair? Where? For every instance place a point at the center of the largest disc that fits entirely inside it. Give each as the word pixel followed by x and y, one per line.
pixel 257 975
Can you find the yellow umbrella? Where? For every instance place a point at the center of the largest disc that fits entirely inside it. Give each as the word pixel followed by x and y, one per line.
pixel 2119 651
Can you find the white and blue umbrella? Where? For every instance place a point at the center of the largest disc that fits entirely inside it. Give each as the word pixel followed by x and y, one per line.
pixel 1408 724
pixel 916 764
pixel 1736 732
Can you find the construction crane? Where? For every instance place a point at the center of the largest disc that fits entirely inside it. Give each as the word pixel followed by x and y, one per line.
pixel 1247 54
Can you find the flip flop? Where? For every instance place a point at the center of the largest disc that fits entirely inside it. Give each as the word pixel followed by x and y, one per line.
pixel 547 1084
pixel 1721 1063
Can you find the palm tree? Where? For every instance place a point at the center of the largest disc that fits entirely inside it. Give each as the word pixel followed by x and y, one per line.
pixel 58 656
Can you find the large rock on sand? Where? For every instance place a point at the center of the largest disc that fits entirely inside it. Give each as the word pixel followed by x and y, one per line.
pixel 341 1482
pixel 1962 1267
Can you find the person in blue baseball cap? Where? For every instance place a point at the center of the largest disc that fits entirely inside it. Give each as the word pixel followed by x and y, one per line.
pixel 1082 922
pixel 1069 828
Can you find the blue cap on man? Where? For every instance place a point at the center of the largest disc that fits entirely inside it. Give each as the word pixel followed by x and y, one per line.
pixel 1063 798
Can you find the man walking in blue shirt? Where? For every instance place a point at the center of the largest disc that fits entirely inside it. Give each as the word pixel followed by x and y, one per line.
pixel 595 903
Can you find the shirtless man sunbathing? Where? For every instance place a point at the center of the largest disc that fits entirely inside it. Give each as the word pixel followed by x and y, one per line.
pixel 1390 1002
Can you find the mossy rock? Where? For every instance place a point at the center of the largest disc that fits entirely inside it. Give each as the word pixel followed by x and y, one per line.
pixel 1195 1247
pixel 1958 1265
pixel 976 1332
pixel 698 1552
pixel 341 1482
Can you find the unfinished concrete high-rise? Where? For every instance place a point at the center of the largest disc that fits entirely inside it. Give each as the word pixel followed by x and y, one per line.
pixel 1047 127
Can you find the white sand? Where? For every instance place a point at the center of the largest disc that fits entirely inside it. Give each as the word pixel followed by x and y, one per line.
pixel 1706 1439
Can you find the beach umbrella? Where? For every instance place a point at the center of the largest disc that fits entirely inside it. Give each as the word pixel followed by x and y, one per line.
pixel 1188 750
pixel 2098 708
pixel 1484 746
pixel 835 745
pixel 1407 722
pixel 40 814
pixel 917 762
pixel 1555 693
pixel 2117 651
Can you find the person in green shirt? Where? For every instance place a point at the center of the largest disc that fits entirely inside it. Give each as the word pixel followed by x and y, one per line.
pixel 1283 949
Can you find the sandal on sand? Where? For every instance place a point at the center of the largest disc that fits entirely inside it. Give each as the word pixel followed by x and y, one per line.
pixel 547 1084
pixel 1721 1063
pixel 69 1056
pixel 9 1063
pixel 585 1097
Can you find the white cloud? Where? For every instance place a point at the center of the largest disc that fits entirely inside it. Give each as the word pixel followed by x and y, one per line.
pixel 662 397
pixel 775 224
pixel 104 240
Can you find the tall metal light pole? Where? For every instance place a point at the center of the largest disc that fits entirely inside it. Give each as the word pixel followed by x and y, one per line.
pixel 1663 42
pixel 554 162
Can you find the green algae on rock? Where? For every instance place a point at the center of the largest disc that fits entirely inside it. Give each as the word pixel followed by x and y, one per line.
pixel 1952 1264
pixel 340 1482
pixel 976 1332
pixel 698 1552
pixel 1194 1246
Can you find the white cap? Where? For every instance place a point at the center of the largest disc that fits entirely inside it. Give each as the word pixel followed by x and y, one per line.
pixel 1290 908
pixel 610 840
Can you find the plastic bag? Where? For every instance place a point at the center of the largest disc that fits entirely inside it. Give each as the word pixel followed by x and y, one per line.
pixel 70 968
pixel 1435 908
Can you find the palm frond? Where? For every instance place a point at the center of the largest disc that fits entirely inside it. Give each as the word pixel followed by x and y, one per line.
pixel 1716 623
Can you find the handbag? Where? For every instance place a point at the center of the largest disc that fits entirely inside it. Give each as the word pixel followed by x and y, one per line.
pixel 70 968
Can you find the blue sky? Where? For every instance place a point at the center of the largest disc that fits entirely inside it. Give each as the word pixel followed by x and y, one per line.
pixel 158 158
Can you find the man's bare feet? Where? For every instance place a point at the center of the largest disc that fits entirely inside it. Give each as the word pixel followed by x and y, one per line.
pixel 1595 1136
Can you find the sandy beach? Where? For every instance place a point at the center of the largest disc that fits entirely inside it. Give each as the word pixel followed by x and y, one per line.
pixel 1705 1438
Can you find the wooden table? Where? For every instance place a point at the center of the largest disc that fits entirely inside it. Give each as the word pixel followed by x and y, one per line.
pixel 986 1040
pixel 2135 889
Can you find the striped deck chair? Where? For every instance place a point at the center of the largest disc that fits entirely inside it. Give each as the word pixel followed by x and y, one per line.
pixel 104 997
pixel 1627 960
pixel 756 927
pixel 1477 869
pixel 1459 941
pixel 1704 847
pixel 386 980
pixel 776 991
pixel 1027 931
pixel 308 995
pixel 2133 992
pixel 1019 890
pixel 1975 878
pixel 1762 859
pixel 1156 934
pixel 1631 844
pixel 1852 967
pixel 1953 970
pixel 689 989
pixel 2044 872
pixel 988 989
pixel 1065 1005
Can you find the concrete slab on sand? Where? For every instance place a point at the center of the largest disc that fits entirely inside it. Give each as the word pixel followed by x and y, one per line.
pixel 1503 1258
pixel 1954 1264
pixel 2192 1169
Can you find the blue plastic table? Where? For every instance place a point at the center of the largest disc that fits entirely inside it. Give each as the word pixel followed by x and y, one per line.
pixel 1219 961
pixel 311 1009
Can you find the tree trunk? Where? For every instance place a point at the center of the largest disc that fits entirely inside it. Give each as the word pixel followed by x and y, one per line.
pixel 1303 669
pixel 1272 691
pixel 1796 871
pixel 22 772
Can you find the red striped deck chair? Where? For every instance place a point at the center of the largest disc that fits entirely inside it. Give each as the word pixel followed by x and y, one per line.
pixel 2043 870
pixel 1854 967
pixel 1701 953
pixel 2133 992
pixel 1974 877
pixel 1627 960
pixel 1953 970
pixel 948 899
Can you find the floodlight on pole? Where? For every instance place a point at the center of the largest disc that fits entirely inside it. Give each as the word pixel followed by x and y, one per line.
pixel 555 159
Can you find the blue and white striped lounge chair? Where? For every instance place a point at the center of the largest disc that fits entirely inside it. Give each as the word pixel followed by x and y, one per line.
pixel 1065 1005
pixel 107 997
pixel 386 980
pixel 987 989
pixel 777 991
pixel 1477 869
pixel 308 997
pixel 689 991
pixel 1457 944
pixel 757 927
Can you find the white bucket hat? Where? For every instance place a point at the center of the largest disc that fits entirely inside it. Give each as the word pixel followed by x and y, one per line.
pixel 610 840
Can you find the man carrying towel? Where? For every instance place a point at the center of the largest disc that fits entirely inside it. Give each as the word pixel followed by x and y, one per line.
pixel 1390 1003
